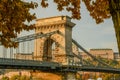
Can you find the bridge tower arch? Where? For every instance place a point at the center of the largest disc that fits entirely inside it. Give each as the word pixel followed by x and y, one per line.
pixel 62 42
pixel 48 49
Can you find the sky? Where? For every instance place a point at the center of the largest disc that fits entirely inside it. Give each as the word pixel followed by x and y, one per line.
pixel 86 32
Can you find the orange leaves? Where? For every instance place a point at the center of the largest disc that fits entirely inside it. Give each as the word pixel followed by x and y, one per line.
pixel 44 4
pixel 98 9
pixel 72 6
pixel 13 14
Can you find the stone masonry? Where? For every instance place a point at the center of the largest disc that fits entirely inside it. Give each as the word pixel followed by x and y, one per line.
pixel 57 47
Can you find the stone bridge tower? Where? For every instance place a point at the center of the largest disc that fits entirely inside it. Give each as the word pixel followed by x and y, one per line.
pixel 56 48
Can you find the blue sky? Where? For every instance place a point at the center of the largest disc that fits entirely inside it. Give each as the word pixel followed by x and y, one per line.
pixel 86 32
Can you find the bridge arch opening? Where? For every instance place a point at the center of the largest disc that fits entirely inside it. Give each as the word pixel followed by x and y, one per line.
pixel 49 49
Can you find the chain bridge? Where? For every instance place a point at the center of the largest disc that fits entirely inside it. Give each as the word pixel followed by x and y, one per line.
pixel 51 48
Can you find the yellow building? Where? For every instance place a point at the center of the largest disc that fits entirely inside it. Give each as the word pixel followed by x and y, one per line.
pixel 104 53
pixel 24 56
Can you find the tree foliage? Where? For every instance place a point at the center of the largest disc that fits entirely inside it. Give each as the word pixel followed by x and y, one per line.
pixel 18 77
pixel 15 77
pixel 13 14
pixel 5 78
pixel 98 9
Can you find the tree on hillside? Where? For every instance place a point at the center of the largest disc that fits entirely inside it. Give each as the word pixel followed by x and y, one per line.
pixel 13 14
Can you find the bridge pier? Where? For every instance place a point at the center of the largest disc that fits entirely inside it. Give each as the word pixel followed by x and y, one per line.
pixel 69 76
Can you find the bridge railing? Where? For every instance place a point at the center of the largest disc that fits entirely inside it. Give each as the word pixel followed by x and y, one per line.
pixel 26 63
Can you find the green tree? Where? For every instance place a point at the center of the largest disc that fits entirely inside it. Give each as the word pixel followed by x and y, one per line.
pixel 13 14
pixel 24 77
pixel 15 77
pixel 5 78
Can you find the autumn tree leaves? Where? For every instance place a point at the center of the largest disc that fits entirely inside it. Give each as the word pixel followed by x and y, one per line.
pixel 14 13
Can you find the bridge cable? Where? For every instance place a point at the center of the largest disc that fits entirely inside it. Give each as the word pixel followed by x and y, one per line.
pixel 11 52
pixel 89 53
pixel 31 48
pixel 82 60
pixel 36 49
pixel 28 47
pixel 79 46
pixel 17 51
pixel 33 36
pixel 4 52
pixel 23 47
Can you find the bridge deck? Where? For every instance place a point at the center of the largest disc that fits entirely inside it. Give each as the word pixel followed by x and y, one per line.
pixel 90 69
pixel 26 64
pixel 6 63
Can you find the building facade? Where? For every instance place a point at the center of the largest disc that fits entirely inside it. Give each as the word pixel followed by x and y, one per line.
pixel 28 56
pixel 103 53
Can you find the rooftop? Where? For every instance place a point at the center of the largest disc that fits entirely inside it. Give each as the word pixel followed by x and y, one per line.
pixel 101 49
